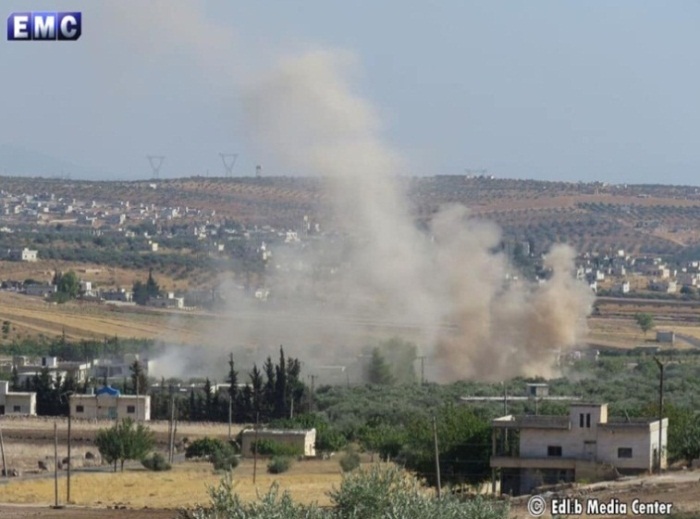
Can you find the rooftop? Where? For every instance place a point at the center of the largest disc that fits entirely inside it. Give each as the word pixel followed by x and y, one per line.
pixel 299 432
pixel 532 422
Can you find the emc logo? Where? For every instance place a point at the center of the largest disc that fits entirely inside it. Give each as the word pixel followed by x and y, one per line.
pixel 44 26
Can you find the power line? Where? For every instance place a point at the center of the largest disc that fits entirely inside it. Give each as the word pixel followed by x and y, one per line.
pixel 156 162
pixel 229 161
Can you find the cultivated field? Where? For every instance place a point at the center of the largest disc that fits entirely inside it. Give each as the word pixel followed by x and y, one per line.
pixel 639 218
pixel 31 317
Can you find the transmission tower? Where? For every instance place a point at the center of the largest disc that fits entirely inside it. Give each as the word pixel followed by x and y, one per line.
pixel 156 162
pixel 229 160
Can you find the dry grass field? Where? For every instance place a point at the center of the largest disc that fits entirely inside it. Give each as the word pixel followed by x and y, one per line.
pixel 31 316
pixel 625 333
pixel 185 485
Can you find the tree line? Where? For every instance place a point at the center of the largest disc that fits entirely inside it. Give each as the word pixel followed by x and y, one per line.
pixel 274 391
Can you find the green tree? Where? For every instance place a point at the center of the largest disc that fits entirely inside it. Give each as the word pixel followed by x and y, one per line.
pixel 14 386
pixel 281 405
pixel 140 294
pixel 401 356
pixel 232 379
pixel 268 401
pixel 152 288
pixel 645 322
pixel 257 396
pixel 69 285
pixel 139 380
pixel 379 371
pixel 125 441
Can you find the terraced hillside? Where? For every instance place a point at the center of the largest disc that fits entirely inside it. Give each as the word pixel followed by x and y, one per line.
pixel 652 219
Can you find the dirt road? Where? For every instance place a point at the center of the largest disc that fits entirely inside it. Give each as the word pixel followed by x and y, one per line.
pixel 26 512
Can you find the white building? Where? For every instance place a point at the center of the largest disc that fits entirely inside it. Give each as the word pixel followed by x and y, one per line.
pixel 29 368
pixel 22 255
pixel 120 294
pixel 109 403
pixel 16 403
pixel 623 288
pixel 166 302
pixel 119 367
pixel 586 444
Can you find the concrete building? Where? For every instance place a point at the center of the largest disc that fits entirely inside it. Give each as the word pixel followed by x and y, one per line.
pixel 305 440
pixel 119 367
pixel 166 302
pixel 28 368
pixel 22 255
pixel 666 336
pixel 586 444
pixel 120 294
pixel 16 403
pixel 40 290
pixel 109 403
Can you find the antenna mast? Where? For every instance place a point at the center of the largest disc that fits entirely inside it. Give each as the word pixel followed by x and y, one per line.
pixel 156 162
pixel 229 160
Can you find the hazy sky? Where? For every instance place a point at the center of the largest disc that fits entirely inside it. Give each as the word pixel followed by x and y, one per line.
pixel 570 90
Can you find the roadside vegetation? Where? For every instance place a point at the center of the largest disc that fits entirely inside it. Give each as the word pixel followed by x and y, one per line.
pixel 374 493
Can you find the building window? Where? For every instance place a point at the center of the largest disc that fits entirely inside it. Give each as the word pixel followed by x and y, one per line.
pixel 580 421
pixel 624 452
pixel 588 420
pixel 79 409
pixel 16 409
pixel 130 409
pixel 554 450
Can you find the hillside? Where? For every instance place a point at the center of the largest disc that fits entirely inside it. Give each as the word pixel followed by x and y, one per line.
pixel 653 219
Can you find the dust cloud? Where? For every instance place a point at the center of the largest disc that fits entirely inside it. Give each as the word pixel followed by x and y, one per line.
pixel 446 289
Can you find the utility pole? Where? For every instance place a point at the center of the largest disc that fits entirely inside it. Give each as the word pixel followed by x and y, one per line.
pixel 70 461
pixel 422 369
pixel 505 413
pixel 171 436
pixel 661 409
pixel 230 413
pixel 2 451
pixel 313 393
pixel 55 463
pixel 255 448
pixel 437 457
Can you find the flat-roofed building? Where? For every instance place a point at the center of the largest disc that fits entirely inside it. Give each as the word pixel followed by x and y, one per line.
pixel 586 444
pixel 109 403
pixel 16 403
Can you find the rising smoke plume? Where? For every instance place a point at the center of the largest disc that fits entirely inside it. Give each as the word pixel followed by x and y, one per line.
pixel 448 284
pixel 446 290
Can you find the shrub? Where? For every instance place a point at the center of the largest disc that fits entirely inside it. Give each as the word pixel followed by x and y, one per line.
pixel 279 464
pixel 204 448
pixel 374 494
pixel 224 459
pixel 350 460
pixel 266 447
pixel 156 462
